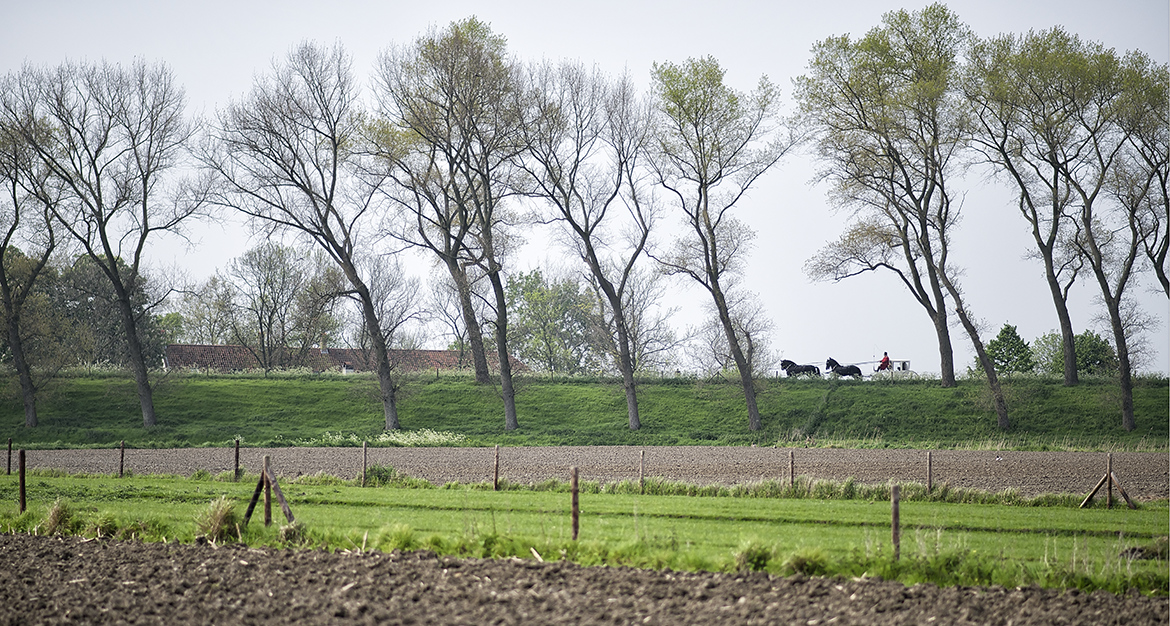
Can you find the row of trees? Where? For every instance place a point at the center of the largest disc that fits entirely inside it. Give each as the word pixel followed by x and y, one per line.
pixel 459 142
pixel 1079 133
pixel 458 145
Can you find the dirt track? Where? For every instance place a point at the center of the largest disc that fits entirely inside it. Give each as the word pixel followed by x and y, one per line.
pixel 48 580
pixel 1145 476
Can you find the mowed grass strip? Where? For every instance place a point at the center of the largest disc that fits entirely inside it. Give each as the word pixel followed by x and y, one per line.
pixel 678 531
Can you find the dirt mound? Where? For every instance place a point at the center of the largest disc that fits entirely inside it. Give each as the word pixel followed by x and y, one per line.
pixel 48 580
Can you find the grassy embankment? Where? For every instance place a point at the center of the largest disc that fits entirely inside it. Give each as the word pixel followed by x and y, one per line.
pixel 846 534
pixel 196 410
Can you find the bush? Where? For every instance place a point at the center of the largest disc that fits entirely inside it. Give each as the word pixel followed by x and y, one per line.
pixel 752 557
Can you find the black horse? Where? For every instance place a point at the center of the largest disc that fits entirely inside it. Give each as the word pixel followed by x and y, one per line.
pixel 792 369
pixel 842 370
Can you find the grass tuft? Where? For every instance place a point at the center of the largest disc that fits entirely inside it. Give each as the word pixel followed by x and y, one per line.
pixel 218 521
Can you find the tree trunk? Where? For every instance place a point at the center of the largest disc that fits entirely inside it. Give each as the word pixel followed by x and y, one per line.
pixel 470 322
pixel 626 365
pixel 507 391
pixel 741 363
pixel 387 386
pixel 1001 410
pixel 28 392
pixel 625 354
pixel 137 360
pixel 1068 348
pixel 1124 371
pixel 946 352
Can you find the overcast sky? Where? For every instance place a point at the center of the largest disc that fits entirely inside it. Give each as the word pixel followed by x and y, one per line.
pixel 216 47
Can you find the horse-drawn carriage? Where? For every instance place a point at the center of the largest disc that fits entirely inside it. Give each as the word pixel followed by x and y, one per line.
pixel 899 368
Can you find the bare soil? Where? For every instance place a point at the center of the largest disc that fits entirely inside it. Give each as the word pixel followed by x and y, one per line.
pixel 52 580
pixel 48 580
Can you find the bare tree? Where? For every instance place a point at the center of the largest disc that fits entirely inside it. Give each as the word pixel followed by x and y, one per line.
pixel 710 351
pixel 117 134
pixel 289 155
pixel 652 341
pixel 584 148
pixel 448 133
pixel 396 302
pixel 266 280
pixel 712 144
pixel 26 214
pixel 206 309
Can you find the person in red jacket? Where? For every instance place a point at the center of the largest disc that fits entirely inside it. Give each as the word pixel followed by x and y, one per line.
pixel 885 363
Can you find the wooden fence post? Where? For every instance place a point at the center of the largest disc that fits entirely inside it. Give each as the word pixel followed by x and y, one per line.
pixel 575 508
pixel 122 459
pixel 929 470
pixel 364 458
pixel 896 530
pixel 267 492
pixel 10 455
pixel 1109 483
pixel 496 474
pixel 237 472
pixel 20 470
pixel 642 472
pixel 791 468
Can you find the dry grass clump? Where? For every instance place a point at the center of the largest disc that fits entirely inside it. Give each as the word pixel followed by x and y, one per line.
pixel 218 521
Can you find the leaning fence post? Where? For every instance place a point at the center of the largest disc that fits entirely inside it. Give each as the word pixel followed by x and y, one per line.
pixel 267 492
pixel 20 470
pixel 122 459
pixel 896 531
pixel 575 508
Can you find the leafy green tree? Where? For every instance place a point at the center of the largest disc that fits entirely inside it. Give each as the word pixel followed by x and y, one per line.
pixel 886 124
pixel 890 123
pixel 1029 94
pixel 554 324
pixel 711 145
pixel 1095 355
pixel 1010 352
pixel 449 133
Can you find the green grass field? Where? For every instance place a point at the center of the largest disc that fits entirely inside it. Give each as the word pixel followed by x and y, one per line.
pixel 196 410
pixel 943 543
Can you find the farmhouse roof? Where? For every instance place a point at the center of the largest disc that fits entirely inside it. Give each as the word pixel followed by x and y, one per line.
pixel 228 358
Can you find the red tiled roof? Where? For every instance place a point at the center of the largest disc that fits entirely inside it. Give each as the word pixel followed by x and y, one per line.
pixel 238 358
